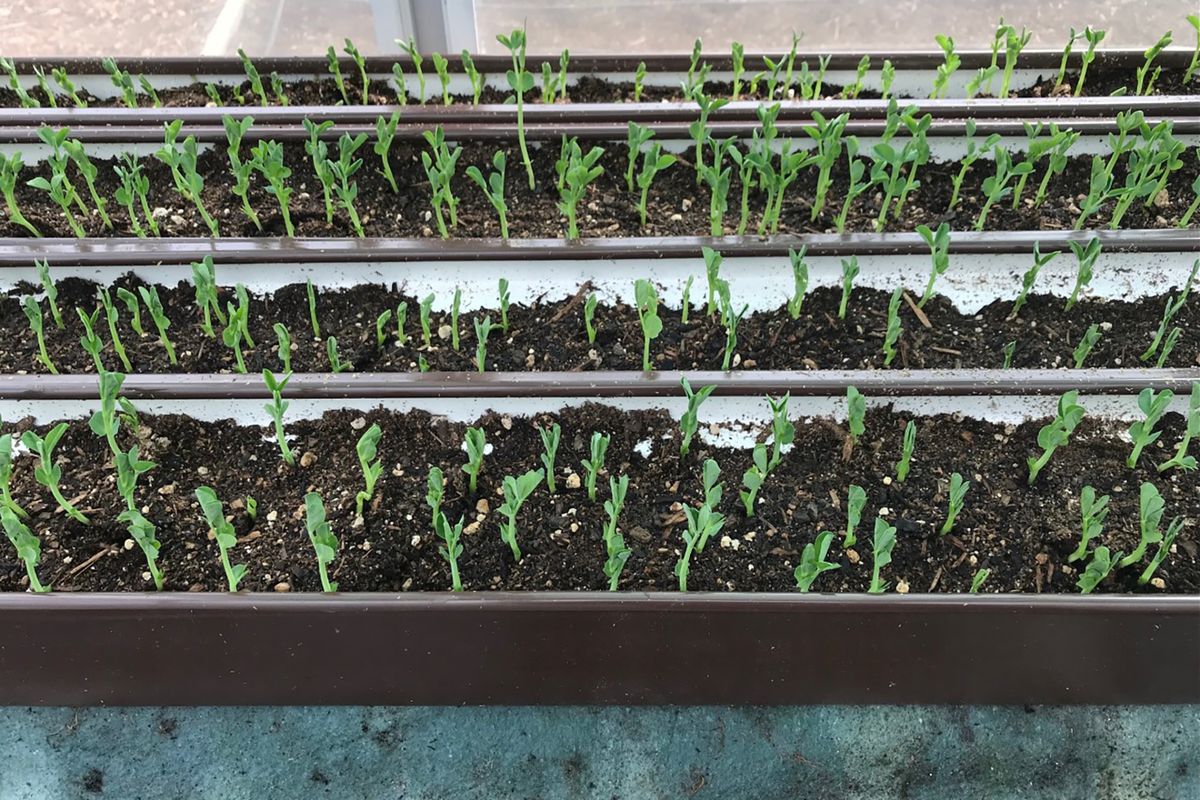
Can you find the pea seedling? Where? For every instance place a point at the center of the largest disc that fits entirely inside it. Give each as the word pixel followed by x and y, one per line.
pixel 372 467
pixel 581 170
pixel 702 524
pixel 958 493
pixel 636 136
pixel 1170 310
pixel 1056 433
pixel 336 364
pixel 10 170
pixel 1097 569
pixel 162 323
pixel 324 543
pixel 1164 549
pixel 474 77
pixel 141 530
pixel 455 306
pixel 856 412
pixel 892 334
pixel 1142 432
pixel 1090 337
pixel 1030 277
pixel 475 442
pixel 1093 511
pixel 204 278
pixel 783 432
pixel 105 421
pixel 214 515
pixel 1094 38
pixel 410 48
pixel 47 472
pixel 6 470
pixel 589 315
pixel 91 343
pixel 812 561
pixel 910 441
pixel 28 546
pixel 341 172
pixel 996 187
pixel 856 501
pixel 730 317
pixel 975 151
pixel 647 310
pixel 232 335
pixel 452 548
pixel 1145 86
pixel 849 273
pixel 939 246
pixel 424 315
pixel 654 161
pixel 33 312
pixel 516 491
pixel 483 329
pixel 754 478
pixel 1086 255
pixel 493 190
pixel 689 422
pixel 593 465
pixel 520 81
pixel 949 65
pixel 135 309
pixel 112 315
pixel 550 439
pixel 1192 431
pixel 442 67
pixel 800 279
pixel 882 545
pixel 614 543
pixel 435 492
pixel 439 168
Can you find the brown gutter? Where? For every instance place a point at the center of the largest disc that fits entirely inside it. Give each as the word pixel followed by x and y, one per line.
pixel 595 648
pixel 125 252
pixel 1172 58
pixel 873 383
pixel 151 131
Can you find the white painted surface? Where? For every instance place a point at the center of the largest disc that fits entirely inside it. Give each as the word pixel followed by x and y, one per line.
pixel 739 419
pixel 972 281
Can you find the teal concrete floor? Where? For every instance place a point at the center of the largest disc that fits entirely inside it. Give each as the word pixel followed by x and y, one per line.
pixel 830 753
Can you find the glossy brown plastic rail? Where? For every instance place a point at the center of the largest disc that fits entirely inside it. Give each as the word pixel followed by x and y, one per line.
pixel 596 648
pixel 150 130
pixel 126 252
pixel 378 386
pixel 1173 58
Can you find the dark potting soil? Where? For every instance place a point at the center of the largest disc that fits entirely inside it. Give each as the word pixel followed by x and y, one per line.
pixel 1023 534
pixel 1101 82
pixel 552 336
pixel 677 206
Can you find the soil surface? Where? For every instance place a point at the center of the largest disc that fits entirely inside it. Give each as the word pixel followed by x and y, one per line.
pixel 1100 82
pixel 553 336
pixel 1023 534
pixel 676 206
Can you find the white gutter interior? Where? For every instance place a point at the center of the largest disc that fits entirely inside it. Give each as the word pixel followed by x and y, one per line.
pixel 765 283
